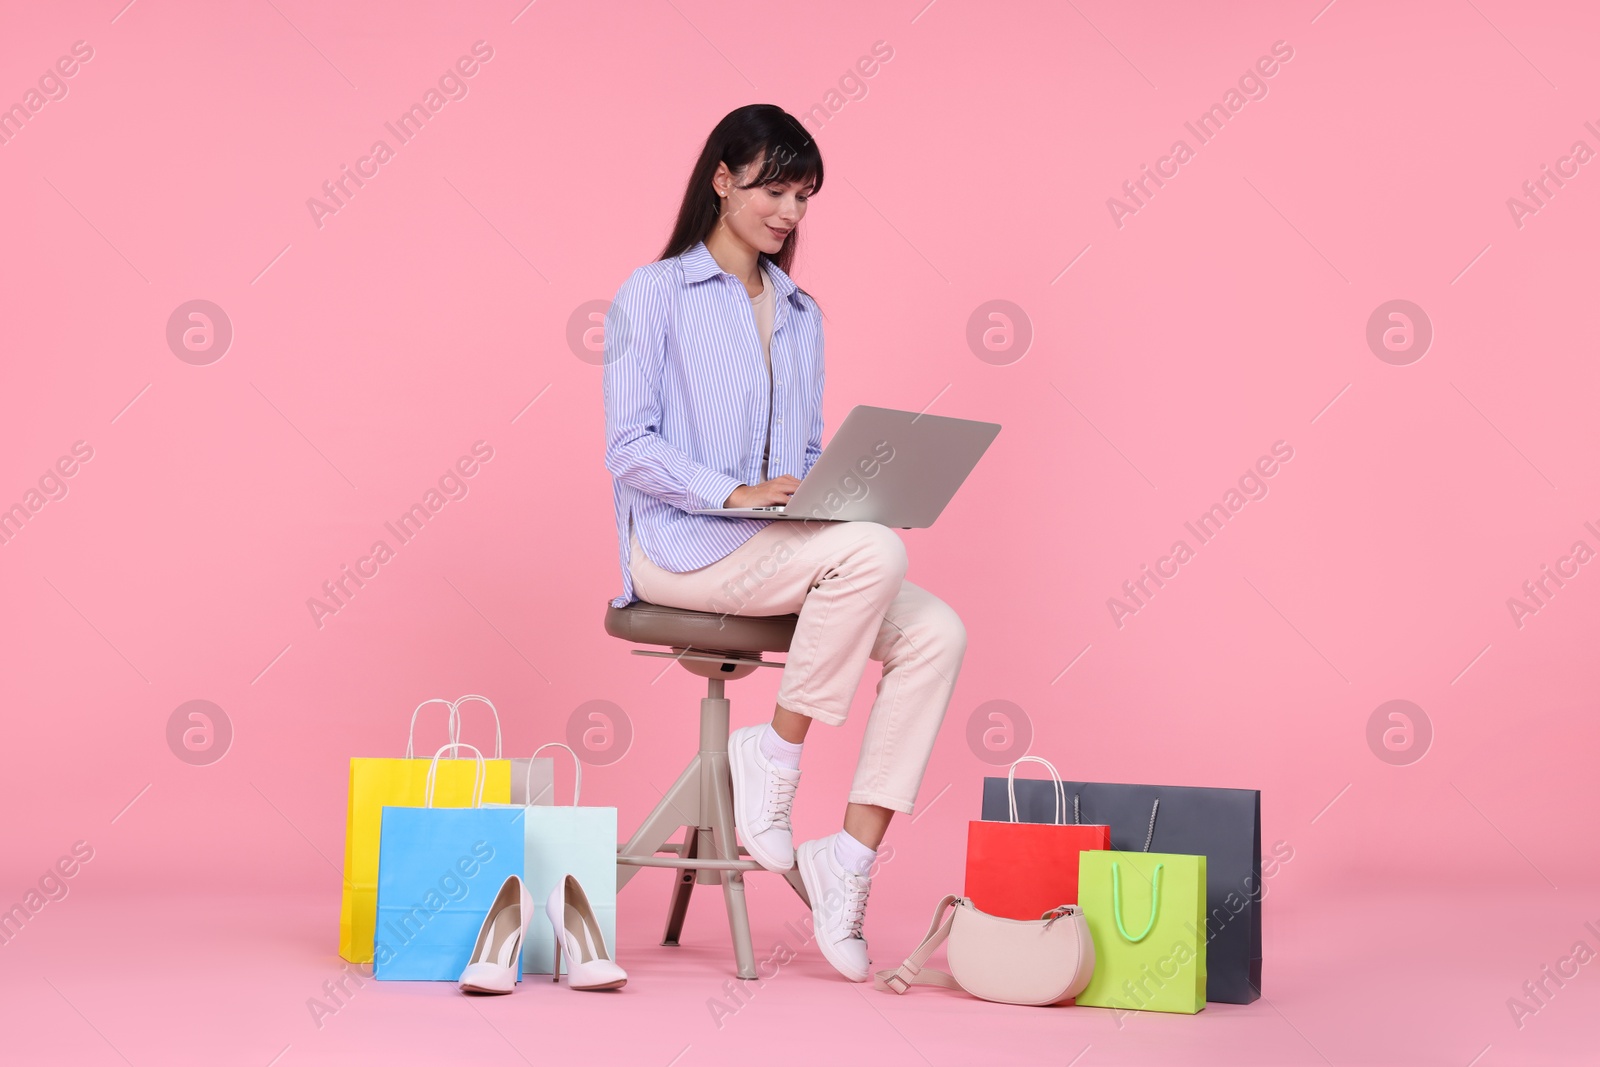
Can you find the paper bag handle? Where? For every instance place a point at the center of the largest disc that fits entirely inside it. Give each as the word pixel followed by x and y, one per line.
pixel 479 773
pixel 577 778
pixel 1061 790
pixel 455 708
pixel 1116 902
pixel 1149 834
pixel 454 728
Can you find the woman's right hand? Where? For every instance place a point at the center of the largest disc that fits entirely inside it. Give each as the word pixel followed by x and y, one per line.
pixel 773 491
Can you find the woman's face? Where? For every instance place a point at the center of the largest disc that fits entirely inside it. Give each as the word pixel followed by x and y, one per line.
pixel 761 216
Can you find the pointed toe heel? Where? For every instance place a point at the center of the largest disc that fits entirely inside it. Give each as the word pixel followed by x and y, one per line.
pixel 589 962
pixel 494 967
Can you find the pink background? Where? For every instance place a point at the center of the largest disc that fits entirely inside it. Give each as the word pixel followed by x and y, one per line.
pixel 1229 313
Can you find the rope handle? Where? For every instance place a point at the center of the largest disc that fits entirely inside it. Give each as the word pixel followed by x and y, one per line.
pixel 479 773
pixel 454 730
pixel 1116 902
pixel 455 707
pixel 1149 834
pixel 577 779
pixel 1011 786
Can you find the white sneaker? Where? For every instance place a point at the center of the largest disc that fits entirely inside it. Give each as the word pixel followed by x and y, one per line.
pixel 763 793
pixel 838 904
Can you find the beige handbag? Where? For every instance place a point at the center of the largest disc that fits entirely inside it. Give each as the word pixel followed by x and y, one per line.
pixel 1011 961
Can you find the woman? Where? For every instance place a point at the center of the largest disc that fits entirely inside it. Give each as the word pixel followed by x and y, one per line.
pixel 713 392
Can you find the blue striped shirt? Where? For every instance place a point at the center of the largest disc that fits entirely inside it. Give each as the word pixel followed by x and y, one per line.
pixel 687 397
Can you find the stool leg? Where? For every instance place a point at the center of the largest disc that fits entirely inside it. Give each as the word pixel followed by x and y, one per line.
pixel 682 886
pixel 680 807
pixel 732 881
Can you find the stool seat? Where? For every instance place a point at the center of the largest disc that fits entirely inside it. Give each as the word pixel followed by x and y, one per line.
pixel 644 623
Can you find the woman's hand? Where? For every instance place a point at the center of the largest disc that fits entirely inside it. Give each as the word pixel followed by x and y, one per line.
pixel 774 491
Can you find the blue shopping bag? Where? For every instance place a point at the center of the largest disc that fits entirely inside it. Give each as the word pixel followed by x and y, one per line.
pixel 438 871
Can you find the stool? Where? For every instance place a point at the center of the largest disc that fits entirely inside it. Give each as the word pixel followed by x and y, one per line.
pixel 717 648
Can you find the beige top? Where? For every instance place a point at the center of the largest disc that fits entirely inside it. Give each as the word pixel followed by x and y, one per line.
pixel 762 307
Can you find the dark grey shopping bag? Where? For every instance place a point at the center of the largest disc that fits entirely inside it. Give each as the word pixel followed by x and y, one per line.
pixel 1223 825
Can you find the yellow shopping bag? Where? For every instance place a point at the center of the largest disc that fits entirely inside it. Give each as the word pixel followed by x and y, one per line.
pixel 375 783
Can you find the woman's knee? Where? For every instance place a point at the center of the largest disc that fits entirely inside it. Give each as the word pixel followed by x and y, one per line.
pixel 931 627
pixel 948 632
pixel 882 547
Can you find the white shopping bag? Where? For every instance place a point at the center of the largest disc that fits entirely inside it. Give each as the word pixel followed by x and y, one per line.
pixel 560 840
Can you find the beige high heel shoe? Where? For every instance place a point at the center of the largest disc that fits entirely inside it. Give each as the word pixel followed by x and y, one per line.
pixel 589 964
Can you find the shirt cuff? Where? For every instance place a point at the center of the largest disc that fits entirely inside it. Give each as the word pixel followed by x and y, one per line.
pixel 712 488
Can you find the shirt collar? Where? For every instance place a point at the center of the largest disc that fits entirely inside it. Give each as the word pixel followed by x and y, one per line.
pixel 699 264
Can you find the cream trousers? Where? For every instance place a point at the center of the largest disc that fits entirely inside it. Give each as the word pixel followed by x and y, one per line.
pixel 847 582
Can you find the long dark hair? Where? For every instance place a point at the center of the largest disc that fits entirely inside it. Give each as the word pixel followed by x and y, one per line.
pixel 743 134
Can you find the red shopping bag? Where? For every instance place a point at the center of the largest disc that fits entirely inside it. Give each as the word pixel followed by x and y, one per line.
pixel 1021 870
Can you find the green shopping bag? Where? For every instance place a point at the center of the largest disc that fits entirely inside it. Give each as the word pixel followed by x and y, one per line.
pixel 1146 912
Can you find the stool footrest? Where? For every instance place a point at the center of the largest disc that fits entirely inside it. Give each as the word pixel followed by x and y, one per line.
pixel 709 657
pixel 694 863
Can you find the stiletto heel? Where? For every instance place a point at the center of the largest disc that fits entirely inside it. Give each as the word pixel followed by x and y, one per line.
pixel 589 964
pixel 494 965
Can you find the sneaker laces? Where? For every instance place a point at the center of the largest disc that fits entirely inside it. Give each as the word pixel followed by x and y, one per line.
pixel 780 798
pixel 856 887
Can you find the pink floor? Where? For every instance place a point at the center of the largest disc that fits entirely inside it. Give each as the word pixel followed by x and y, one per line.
pixel 180 979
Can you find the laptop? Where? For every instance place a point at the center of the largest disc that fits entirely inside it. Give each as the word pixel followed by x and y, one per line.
pixel 897 468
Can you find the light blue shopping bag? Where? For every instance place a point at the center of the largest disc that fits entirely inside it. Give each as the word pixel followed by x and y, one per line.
pixel 438 871
pixel 558 841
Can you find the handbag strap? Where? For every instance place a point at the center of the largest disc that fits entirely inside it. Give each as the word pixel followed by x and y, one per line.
pixel 912 972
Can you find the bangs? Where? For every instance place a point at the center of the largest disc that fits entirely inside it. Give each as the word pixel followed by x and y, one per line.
pixel 787 162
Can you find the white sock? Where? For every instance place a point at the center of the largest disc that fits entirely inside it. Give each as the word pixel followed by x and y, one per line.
pixel 851 854
pixel 783 753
